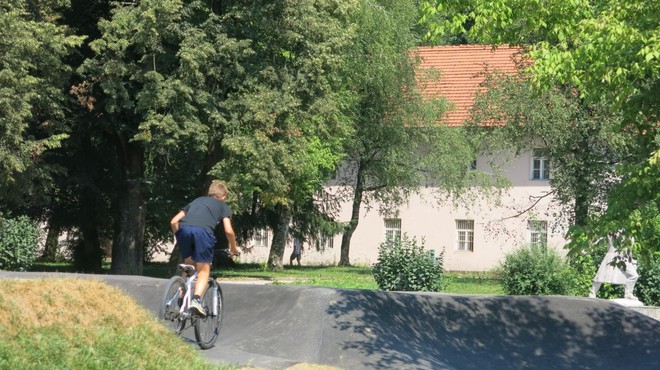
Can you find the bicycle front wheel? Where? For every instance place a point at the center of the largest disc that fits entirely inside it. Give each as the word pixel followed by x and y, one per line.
pixel 207 328
pixel 171 304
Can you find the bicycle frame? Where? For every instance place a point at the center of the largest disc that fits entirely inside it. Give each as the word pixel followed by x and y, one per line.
pixel 175 306
pixel 187 297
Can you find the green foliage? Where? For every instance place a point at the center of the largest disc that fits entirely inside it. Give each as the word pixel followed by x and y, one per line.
pixel 407 266
pixel 284 124
pixel 647 288
pixel 607 52
pixel 609 49
pixel 397 143
pixel 583 269
pixel 582 140
pixel 634 206
pixel 535 271
pixel 33 88
pixel 18 243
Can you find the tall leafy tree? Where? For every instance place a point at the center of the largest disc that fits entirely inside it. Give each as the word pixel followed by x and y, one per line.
pixel 33 86
pixel 583 142
pixel 608 50
pixel 286 126
pixel 79 203
pixel 152 87
pixel 398 143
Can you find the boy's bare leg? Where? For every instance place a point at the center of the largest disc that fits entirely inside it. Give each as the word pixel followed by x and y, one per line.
pixel 203 273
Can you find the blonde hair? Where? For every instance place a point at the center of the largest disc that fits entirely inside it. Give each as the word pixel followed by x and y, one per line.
pixel 218 189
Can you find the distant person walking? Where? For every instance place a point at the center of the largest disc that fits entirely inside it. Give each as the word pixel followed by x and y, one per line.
pixel 297 251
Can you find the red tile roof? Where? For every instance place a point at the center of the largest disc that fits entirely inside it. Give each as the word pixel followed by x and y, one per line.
pixel 462 69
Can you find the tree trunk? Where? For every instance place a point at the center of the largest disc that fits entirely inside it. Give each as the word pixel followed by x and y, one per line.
pixel 583 189
pixel 280 236
pixel 88 254
pixel 51 247
pixel 355 219
pixel 581 208
pixel 128 243
pixel 174 261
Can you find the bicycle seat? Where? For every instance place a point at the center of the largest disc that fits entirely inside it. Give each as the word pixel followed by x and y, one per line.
pixel 188 269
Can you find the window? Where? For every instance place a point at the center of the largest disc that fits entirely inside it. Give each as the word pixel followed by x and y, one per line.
pixel 465 235
pixel 540 165
pixel 325 242
pixel 392 230
pixel 261 237
pixel 538 233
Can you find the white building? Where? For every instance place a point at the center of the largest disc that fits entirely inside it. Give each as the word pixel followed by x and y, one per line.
pixel 474 237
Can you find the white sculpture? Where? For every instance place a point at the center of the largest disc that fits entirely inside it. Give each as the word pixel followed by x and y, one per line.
pixel 613 274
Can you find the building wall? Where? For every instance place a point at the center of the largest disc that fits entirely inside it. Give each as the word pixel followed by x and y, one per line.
pixel 498 228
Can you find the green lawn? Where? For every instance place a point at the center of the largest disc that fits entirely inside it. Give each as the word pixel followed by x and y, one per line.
pixel 357 277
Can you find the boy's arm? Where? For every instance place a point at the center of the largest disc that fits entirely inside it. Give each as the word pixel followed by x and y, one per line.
pixel 174 224
pixel 231 236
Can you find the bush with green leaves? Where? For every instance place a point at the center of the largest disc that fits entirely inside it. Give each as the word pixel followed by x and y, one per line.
pixel 536 270
pixel 583 267
pixel 647 288
pixel 18 243
pixel 406 265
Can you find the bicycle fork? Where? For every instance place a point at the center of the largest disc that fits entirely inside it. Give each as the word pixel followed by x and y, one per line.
pixel 176 297
pixel 214 300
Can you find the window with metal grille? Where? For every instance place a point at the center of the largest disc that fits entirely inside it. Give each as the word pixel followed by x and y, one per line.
pixel 538 233
pixel 261 237
pixel 465 235
pixel 540 165
pixel 392 230
pixel 325 242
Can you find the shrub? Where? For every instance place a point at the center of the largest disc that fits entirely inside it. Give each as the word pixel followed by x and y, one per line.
pixel 18 243
pixel 583 267
pixel 647 288
pixel 535 271
pixel 407 266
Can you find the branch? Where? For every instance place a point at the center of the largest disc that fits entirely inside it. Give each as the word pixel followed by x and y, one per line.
pixel 373 188
pixel 538 199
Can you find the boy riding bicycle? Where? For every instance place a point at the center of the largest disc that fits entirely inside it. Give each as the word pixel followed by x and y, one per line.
pixel 193 227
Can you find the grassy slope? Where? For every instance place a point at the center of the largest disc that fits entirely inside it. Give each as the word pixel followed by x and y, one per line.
pixel 84 324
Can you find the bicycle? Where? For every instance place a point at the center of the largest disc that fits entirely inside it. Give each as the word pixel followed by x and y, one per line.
pixel 175 306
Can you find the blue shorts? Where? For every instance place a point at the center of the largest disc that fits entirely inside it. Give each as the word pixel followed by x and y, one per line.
pixel 196 242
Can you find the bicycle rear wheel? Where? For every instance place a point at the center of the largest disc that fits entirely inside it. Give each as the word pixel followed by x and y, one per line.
pixel 207 328
pixel 171 304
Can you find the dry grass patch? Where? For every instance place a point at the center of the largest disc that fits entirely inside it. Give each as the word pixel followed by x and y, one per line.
pixel 84 324
pixel 30 304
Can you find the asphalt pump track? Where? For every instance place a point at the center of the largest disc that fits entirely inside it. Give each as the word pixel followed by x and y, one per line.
pixel 276 327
